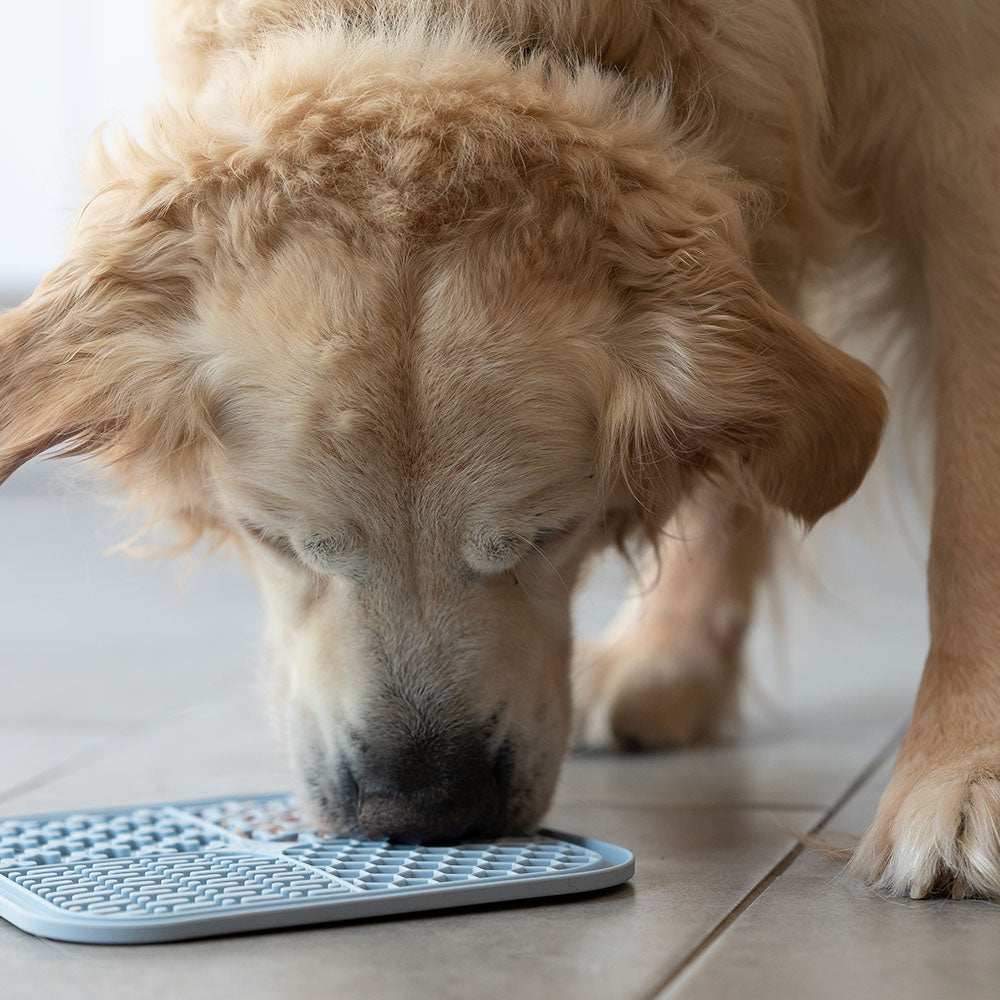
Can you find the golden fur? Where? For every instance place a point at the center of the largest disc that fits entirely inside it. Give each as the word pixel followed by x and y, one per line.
pixel 422 304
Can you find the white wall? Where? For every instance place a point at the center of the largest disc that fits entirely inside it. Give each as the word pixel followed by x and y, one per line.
pixel 65 66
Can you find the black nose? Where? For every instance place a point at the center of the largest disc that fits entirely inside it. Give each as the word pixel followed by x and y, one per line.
pixel 429 796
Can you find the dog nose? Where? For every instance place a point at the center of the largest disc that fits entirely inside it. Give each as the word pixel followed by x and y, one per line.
pixel 408 803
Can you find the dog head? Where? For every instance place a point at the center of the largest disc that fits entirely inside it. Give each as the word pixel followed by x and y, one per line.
pixel 419 329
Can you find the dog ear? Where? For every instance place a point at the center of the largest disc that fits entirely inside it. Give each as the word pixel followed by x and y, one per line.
pixel 811 417
pixel 92 362
pixel 720 371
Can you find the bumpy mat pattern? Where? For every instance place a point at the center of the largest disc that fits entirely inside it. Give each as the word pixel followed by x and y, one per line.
pixel 176 871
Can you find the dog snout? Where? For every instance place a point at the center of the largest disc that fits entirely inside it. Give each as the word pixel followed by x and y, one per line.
pixel 428 794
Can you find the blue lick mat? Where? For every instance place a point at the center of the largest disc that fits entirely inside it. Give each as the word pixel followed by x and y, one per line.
pixel 194 869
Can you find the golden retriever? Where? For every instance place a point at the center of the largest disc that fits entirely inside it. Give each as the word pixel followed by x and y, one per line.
pixel 424 303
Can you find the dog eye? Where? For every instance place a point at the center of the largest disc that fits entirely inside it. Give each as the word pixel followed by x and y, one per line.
pixel 489 554
pixel 328 548
pixel 340 553
pixel 276 543
pixel 549 535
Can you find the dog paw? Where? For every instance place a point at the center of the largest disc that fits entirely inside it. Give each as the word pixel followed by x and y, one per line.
pixel 628 698
pixel 936 832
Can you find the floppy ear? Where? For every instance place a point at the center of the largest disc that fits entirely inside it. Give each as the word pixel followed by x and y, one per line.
pixel 808 418
pixel 721 371
pixel 92 362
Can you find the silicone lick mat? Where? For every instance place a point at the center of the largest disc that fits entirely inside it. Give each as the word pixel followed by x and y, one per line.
pixel 187 870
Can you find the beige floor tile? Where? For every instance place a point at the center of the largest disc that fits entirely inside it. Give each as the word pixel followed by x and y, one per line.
pixel 120 684
pixel 222 747
pixel 90 637
pixel 810 760
pixel 31 758
pixel 693 868
pixel 60 580
pixel 818 934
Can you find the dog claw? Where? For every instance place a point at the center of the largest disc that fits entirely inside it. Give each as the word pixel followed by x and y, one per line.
pixel 919 891
pixel 959 888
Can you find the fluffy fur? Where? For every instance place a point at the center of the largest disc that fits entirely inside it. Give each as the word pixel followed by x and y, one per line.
pixel 423 304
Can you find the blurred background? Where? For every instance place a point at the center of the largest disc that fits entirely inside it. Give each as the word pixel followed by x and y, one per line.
pixel 65 66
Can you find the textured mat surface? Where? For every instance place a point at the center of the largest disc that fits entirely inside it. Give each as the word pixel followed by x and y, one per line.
pixel 173 871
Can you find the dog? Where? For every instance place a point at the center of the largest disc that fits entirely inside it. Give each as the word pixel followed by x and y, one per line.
pixel 420 305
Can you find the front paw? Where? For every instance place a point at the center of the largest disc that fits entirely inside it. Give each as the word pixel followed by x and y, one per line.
pixel 937 831
pixel 631 697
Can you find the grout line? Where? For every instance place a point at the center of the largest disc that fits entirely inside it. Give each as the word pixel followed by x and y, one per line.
pixel 779 869
pixel 112 738
pixel 691 806
pixel 67 766
pixel 105 727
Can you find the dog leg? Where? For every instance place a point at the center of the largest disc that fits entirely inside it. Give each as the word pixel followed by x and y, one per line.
pixel 666 672
pixel 938 824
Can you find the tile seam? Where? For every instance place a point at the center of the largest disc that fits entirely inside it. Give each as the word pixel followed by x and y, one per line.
pixel 694 806
pixel 779 869
pixel 66 766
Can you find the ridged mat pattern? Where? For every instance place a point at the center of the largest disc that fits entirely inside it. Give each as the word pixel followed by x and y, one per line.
pixel 173 864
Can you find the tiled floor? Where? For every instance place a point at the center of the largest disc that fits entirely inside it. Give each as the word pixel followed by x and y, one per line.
pixel 115 687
